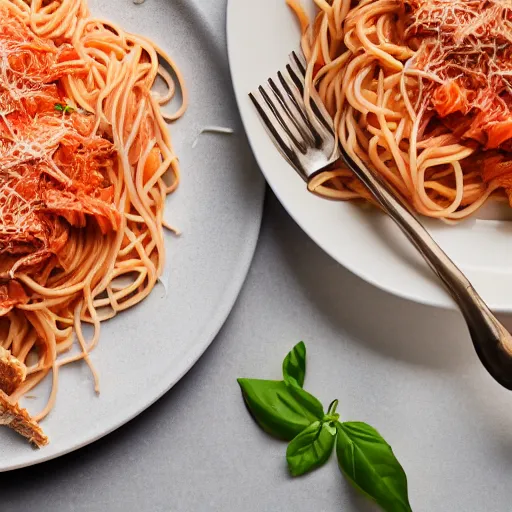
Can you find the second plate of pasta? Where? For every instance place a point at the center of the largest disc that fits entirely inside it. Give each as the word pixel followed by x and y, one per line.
pixel 117 269
pixel 367 62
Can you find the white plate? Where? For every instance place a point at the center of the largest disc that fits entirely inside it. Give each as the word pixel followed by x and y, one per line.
pixel 261 34
pixel 145 351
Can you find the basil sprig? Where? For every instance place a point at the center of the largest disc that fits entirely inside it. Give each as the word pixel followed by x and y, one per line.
pixel 286 411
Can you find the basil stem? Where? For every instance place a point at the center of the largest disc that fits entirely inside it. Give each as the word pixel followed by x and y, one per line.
pixel 332 407
pixel 370 465
pixel 311 448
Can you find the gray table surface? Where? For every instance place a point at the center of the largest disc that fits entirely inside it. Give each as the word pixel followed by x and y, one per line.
pixel 407 369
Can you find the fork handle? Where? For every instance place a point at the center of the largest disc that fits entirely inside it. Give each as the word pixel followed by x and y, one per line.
pixel 491 340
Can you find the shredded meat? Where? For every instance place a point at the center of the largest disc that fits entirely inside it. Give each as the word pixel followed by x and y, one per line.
pixel 54 171
pixel 19 420
pixel 465 47
pixel 12 372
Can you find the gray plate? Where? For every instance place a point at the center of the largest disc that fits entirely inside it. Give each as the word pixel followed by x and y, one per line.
pixel 145 351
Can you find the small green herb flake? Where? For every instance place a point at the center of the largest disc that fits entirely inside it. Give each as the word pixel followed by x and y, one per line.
pixel 66 109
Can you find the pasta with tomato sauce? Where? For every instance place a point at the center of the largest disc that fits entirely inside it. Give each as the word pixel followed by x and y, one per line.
pixel 420 91
pixel 86 163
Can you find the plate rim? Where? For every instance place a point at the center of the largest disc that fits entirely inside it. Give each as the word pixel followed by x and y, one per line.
pixel 191 357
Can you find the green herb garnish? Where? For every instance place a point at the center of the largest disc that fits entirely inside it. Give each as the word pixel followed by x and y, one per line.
pixel 275 409
pixel 311 448
pixel 286 411
pixel 59 107
pixel 368 462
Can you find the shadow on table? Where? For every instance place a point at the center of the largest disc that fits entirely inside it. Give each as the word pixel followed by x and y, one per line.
pixel 74 466
pixel 415 333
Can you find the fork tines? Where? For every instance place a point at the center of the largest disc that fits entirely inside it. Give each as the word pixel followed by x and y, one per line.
pixel 303 133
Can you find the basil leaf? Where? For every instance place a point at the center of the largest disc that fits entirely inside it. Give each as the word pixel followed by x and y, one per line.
pixel 294 364
pixel 276 409
pixel 369 463
pixel 311 448
pixel 294 371
pixel 307 400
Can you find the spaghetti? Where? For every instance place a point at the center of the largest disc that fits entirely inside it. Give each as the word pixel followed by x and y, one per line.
pixel 86 163
pixel 420 91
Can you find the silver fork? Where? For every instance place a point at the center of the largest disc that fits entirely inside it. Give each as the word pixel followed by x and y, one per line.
pixel 309 145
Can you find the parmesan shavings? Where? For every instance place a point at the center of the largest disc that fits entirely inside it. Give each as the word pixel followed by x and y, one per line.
pixel 212 129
